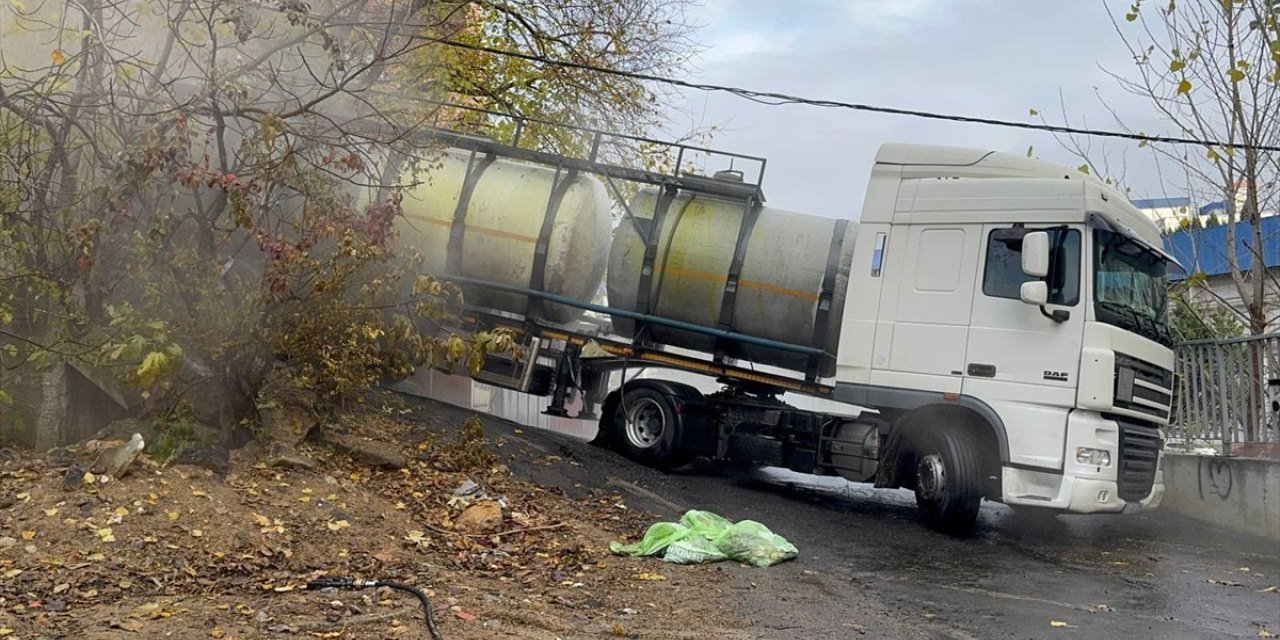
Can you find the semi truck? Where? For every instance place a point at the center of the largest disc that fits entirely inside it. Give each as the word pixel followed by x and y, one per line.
pixel 994 324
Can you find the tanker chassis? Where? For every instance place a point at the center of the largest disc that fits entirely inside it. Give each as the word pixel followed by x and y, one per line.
pixel 995 325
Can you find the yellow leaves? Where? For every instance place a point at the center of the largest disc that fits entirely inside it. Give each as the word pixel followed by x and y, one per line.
pixel 173 515
pixel 28 535
pixel 121 511
pixel 12 573
pixel 1184 87
pixel 58 57
pixel 1034 112
pixel 217 633
pixel 1177 65
pixel 5 631
pixel 153 364
pixel 337 525
pixel 650 577
pixel 51 512
pixel 1235 75
pixel 105 534
pixel 24 496
pixel 1084 168
pixel 89 478
pixel 1058 624
pixel 196 533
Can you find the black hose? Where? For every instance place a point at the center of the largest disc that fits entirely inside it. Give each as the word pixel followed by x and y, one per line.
pixel 356 583
pixel 422 597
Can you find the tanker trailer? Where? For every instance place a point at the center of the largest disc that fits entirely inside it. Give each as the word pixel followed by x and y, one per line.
pixel 512 223
pixel 790 287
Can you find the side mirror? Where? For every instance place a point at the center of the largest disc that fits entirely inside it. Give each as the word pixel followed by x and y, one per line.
pixel 1035 255
pixel 1035 292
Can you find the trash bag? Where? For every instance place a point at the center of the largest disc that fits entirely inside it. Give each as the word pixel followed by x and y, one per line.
pixel 656 538
pixel 705 523
pixel 702 536
pixel 693 550
pixel 752 543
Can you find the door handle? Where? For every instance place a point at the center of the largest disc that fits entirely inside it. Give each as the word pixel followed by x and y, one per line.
pixel 982 370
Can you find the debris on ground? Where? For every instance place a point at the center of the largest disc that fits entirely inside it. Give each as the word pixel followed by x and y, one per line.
pixel 180 551
pixel 703 537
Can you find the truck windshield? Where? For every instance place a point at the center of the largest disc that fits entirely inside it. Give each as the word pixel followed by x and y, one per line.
pixel 1130 286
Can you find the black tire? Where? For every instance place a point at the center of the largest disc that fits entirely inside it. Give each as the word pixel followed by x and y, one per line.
pixel 948 480
pixel 647 429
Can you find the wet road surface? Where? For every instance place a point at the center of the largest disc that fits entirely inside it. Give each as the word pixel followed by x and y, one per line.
pixel 869 568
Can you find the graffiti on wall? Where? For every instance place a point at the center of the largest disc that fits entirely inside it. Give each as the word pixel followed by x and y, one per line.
pixel 1215 478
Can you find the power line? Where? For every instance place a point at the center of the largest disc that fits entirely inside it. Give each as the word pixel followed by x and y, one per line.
pixel 774 98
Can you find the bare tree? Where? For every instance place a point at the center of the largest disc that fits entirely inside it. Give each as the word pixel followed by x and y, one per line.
pixel 1211 68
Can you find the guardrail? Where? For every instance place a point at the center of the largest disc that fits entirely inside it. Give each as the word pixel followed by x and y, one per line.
pixel 1228 391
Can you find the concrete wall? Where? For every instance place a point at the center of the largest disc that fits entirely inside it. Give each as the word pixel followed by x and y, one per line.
pixel 1242 494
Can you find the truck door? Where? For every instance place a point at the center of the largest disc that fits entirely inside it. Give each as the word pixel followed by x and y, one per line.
pixel 926 346
pixel 1020 362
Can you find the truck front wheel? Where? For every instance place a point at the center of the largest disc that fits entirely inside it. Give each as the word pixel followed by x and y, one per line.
pixel 649 429
pixel 948 481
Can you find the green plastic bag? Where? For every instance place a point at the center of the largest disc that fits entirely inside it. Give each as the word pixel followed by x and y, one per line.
pixel 693 550
pixel 752 543
pixel 702 536
pixel 656 538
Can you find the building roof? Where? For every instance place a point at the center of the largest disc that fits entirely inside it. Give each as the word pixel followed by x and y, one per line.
pixel 1205 250
pixel 1220 205
pixel 1161 203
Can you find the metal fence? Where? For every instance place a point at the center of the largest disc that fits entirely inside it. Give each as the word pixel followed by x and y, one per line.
pixel 1228 391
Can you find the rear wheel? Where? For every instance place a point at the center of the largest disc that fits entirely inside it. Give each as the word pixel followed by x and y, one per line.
pixel 948 481
pixel 648 429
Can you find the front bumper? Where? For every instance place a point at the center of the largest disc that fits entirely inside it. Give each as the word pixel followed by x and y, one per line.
pixel 1074 494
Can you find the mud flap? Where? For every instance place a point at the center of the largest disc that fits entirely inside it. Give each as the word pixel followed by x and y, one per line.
pixel 887 471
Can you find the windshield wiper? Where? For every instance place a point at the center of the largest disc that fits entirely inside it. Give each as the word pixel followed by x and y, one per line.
pixel 1130 318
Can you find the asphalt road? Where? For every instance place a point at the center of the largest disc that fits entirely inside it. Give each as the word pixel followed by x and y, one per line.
pixel 869 568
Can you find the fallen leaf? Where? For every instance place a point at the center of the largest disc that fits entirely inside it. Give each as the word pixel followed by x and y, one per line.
pixel 89 478
pixel 199 494
pixel 651 577
pixel 28 535
pixel 217 633
pixel 6 631
pixel 173 515
pixel 196 533
pixel 12 573
pixel 463 615
pixel 106 535
pixel 1271 589
pixel 24 496
pixel 1263 632
pixel 1058 624
pixel 337 525
pixel 51 512
pixel 262 520
pixel 121 511
pixel 285 588
pixel 60 588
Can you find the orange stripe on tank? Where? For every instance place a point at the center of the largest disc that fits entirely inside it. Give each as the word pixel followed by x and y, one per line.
pixel 749 284
pixel 485 231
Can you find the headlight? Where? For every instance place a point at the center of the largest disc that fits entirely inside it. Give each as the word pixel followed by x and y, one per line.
pixel 1093 457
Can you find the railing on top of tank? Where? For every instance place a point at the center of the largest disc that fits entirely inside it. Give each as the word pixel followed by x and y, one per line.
pixel 598 137
pixel 1228 391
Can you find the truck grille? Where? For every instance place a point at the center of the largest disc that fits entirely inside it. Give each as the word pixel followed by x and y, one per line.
pixel 1139 458
pixel 1142 387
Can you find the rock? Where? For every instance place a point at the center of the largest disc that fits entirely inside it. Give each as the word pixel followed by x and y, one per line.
pixel 215 459
pixel 73 479
pixel 8 500
pixel 481 517
pixel 115 461
pixel 6 543
pixel 375 453
pixel 466 488
pixel 284 456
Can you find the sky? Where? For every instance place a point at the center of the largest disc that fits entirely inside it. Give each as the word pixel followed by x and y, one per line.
pixel 993 58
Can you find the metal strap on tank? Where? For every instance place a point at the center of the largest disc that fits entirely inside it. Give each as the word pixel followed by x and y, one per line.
pixel 651 248
pixel 537 279
pixel 822 317
pixel 749 217
pixel 453 254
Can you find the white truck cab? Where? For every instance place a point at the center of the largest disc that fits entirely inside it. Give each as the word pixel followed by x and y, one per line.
pixel 1025 302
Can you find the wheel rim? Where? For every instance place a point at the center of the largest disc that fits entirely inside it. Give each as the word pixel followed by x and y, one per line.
pixel 931 477
pixel 646 423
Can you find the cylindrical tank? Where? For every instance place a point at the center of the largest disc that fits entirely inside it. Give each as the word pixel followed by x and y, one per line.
pixel 503 225
pixel 780 284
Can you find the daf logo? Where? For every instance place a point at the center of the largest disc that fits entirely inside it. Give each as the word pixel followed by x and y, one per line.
pixel 1060 376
